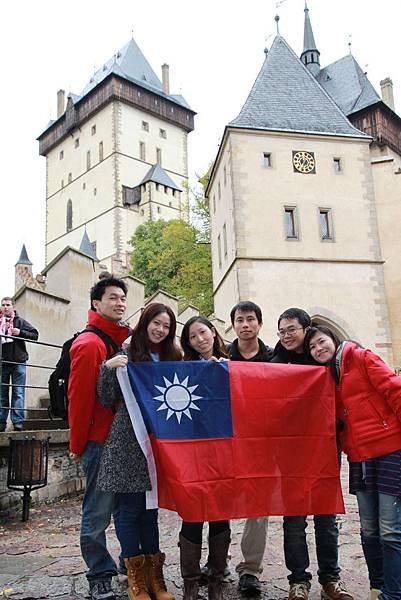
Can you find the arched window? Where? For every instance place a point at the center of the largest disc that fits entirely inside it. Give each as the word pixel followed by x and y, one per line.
pixel 337 329
pixel 69 215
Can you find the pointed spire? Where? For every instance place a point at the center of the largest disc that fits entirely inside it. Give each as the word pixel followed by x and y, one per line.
pixel 23 258
pixel 310 55
pixel 86 247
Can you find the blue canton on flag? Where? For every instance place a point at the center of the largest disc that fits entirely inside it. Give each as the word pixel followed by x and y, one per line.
pixel 183 400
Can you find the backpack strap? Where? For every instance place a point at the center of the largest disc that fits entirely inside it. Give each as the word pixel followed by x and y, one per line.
pixel 106 339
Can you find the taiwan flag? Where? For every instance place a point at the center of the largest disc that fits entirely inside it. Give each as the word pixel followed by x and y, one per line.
pixel 232 439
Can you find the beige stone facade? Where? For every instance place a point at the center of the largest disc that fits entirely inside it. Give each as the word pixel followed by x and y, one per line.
pixel 340 279
pixel 88 171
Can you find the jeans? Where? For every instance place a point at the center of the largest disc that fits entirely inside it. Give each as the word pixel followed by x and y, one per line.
pixel 296 549
pixel 136 528
pixel 17 375
pixel 380 517
pixel 97 508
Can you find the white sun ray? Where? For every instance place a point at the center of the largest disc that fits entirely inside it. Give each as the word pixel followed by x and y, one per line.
pixel 177 398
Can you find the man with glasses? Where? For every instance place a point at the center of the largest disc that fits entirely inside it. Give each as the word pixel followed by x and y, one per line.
pixel 292 327
pixel 15 356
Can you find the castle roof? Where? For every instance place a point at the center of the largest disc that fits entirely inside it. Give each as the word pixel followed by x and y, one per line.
pixel 23 258
pixel 131 64
pixel 287 97
pixel 348 85
pixel 158 175
pixel 87 248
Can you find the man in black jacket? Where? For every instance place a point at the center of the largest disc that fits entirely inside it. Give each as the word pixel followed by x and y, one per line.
pixel 246 319
pixel 14 357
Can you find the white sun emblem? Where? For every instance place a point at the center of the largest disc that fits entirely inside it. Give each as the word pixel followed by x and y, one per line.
pixel 177 398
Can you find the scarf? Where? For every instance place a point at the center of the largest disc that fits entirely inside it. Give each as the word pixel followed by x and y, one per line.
pixel 6 325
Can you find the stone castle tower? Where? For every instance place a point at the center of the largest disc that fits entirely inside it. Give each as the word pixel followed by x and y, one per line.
pixel 304 196
pixel 116 156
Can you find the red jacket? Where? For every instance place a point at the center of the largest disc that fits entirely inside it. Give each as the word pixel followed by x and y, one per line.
pixel 88 419
pixel 369 404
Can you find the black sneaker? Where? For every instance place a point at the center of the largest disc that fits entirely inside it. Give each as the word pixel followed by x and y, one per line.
pixel 249 585
pixel 3 426
pixel 101 590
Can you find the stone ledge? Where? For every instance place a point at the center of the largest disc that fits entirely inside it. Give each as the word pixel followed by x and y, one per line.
pixel 57 436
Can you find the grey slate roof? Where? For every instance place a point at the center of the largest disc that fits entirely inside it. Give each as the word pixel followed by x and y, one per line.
pixel 348 85
pixel 131 64
pixel 309 40
pixel 23 258
pixel 158 175
pixel 86 247
pixel 286 97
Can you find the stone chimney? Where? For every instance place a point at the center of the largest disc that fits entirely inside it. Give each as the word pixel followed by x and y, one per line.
pixel 387 92
pixel 60 103
pixel 166 78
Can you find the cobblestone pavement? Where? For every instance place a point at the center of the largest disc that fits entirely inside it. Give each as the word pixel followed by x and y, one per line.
pixel 41 558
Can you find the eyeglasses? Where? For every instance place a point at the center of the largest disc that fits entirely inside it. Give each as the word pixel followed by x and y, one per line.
pixel 291 331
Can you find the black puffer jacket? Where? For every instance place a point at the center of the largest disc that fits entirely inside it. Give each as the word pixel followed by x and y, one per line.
pixel 16 351
pixel 281 355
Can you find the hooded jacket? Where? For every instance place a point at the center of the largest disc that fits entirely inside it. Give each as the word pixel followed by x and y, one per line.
pixel 369 404
pixel 88 419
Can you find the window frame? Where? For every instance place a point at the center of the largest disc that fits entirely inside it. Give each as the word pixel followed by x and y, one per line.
pixel 328 212
pixel 293 210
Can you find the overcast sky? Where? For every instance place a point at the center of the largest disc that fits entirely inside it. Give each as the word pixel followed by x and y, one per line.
pixel 214 49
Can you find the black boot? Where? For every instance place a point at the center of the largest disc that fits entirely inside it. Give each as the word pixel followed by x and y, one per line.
pixel 218 550
pixel 190 555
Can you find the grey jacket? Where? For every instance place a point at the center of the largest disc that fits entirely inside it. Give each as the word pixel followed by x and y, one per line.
pixel 123 467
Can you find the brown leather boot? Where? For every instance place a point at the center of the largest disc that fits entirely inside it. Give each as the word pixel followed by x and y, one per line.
pixel 154 576
pixel 218 550
pixel 137 586
pixel 335 590
pixel 190 555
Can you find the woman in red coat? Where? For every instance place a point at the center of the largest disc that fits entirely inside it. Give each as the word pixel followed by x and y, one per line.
pixel 369 406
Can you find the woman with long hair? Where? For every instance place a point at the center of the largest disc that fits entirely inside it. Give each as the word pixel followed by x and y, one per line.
pixel 368 402
pixel 123 468
pixel 201 341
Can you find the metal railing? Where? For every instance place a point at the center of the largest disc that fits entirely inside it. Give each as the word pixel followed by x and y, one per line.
pixel 30 365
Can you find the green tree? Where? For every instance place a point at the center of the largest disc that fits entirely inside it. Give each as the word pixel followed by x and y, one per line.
pixel 169 255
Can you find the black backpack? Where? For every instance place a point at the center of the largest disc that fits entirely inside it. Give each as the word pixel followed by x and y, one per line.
pixel 58 380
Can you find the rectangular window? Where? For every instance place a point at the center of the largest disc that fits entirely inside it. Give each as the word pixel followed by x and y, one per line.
pixel 219 190
pixel 326 224
pixel 163 133
pixel 145 126
pixel 94 247
pixel 225 239
pixel 267 159
pixel 159 156
pixel 214 203
pixel 219 249
pixel 93 129
pixel 61 154
pixel 100 151
pixel 76 143
pixel 225 176
pixel 337 165
pixel 142 151
pixel 290 223
pixel 88 160
pixel 69 177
